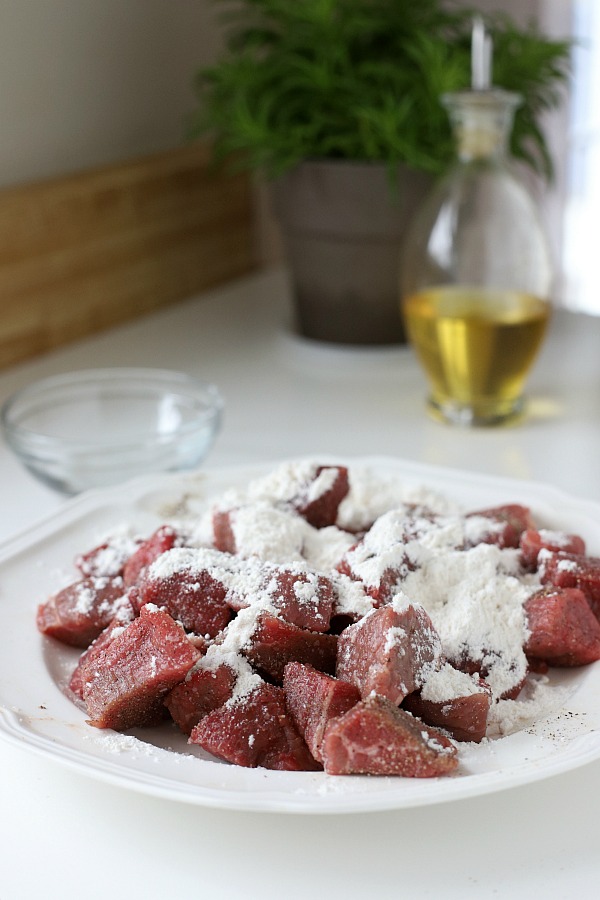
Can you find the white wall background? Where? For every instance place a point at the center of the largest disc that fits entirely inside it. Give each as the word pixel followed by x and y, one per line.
pixel 86 82
pixel 89 82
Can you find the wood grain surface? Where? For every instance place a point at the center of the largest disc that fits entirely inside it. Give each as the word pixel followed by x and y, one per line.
pixel 90 250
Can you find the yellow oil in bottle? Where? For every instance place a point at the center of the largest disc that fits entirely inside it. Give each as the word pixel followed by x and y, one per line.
pixel 476 347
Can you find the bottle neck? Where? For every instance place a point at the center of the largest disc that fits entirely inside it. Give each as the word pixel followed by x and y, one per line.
pixel 482 122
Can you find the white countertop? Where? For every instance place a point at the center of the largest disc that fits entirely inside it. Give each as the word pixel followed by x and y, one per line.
pixel 65 835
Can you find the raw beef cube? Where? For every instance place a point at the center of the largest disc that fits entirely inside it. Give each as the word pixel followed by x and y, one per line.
pixel 513 692
pixel 381 560
pixel 454 701
pixel 77 614
pixel 507 524
pixel 377 738
pixel 389 652
pixel 255 730
pixel 76 684
pixel 303 598
pixel 387 579
pixel 163 539
pixel 464 718
pixel 319 502
pixel 350 602
pixel 195 599
pixel 572 570
pixel 274 643
pixel 532 541
pixel 563 629
pixel 201 692
pixel 539 666
pixel 125 685
pixel 483 667
pixel 263 529
pixel 109 558
pixel 313 699
pixel 223 536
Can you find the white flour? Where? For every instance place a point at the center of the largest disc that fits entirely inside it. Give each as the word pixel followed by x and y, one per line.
pixel 473 592
pixel 474 596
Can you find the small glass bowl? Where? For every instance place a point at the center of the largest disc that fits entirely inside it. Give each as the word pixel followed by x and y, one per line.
pixel 100 427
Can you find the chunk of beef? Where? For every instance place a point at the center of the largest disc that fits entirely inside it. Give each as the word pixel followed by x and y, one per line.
pixel 507 524
pixel 76 683
pixel 572 570
pixel 385 582
pixel 303 598
pixel 464 718
pixel 532 541
pixel 107 559
pixel 563 629
pixel 255 730
pixel 350 602
pixel 264 529
pixel 454 701
pixel 513 692
pixel 274 643
pixel 163 539
pixel 377 738
pixel 200 587
pixel 382 559
pixel 223 535
pixel 125 685
pixel 389 652
pixel 201 692
pixel 483 668
pixel 77 614
pixel 319 502
pixel 313 699
pixel 195 599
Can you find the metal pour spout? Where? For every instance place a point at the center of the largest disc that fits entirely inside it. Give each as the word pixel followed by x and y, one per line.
pixel 481 56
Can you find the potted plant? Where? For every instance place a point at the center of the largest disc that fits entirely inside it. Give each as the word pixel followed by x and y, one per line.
pixel 337 104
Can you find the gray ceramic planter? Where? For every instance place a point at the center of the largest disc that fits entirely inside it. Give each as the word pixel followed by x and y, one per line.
pixel 343 227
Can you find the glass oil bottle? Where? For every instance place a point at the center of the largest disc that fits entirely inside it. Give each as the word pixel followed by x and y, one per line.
pixel 477 270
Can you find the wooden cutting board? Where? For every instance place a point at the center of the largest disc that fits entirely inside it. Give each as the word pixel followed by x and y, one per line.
pixel 90 250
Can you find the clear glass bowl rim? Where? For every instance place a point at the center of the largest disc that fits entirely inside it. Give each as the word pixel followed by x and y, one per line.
pixel 26 440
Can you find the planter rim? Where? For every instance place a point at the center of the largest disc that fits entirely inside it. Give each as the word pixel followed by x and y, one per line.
pixel 337 163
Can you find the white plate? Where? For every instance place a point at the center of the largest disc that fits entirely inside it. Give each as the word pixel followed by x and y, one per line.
pixel 35 713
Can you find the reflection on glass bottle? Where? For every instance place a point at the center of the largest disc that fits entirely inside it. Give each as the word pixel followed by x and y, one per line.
pixel 477 272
